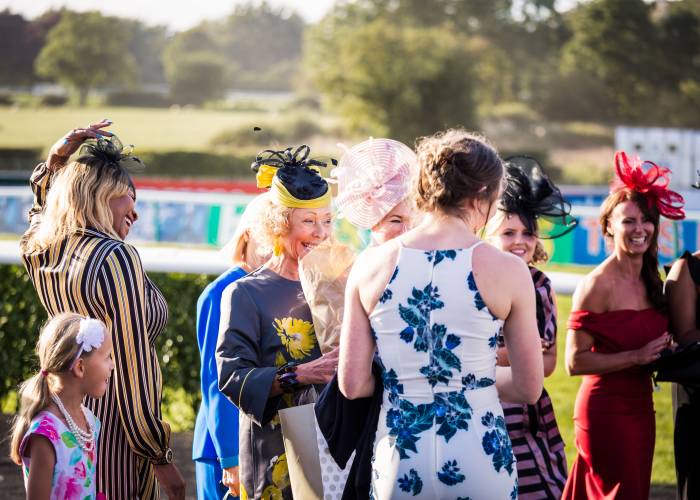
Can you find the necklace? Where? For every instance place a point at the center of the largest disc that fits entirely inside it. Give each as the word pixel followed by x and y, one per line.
pixel 85 439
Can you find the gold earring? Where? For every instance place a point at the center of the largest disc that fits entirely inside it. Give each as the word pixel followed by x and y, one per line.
pixel 277 249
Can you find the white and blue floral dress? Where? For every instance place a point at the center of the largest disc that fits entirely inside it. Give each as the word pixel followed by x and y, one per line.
pixel 441 432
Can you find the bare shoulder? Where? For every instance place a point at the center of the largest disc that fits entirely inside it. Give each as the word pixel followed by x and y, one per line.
pixel 371 273
pixel 501 279
pixel 593 292
pixel 373 260
pixel 493 265
pixel 679 270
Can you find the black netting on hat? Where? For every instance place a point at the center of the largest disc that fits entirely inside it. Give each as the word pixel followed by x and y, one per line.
pixel 295 172
pixel 530 194
pixel 111 152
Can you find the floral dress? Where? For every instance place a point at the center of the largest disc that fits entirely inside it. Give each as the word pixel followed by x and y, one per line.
pixel 74 472
pixel 441 431
pixel 265 324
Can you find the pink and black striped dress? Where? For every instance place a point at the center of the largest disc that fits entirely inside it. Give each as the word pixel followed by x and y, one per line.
pixel 533 431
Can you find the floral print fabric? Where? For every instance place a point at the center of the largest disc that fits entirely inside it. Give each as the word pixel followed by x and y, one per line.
pixel 74 472
pixel 441 432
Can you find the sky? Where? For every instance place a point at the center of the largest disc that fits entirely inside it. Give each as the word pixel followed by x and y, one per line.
pixel 176 14
pixel 180 15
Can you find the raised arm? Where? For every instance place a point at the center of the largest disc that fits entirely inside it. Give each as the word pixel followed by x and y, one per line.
pixel 122 296
pixel 60 152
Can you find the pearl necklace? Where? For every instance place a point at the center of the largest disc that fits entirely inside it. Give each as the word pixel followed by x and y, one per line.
pixel 85 439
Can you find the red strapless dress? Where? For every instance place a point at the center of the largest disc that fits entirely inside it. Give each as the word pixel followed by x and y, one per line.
pixel 614 414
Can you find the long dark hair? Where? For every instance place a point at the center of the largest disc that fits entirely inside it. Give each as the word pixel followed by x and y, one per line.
pixel 650 261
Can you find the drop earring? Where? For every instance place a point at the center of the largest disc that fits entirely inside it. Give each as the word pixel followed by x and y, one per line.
pixel 277 249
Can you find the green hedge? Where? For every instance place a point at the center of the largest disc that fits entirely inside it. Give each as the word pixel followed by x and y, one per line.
pixel 136 98
pixel 22 159
pixel 158 164
pixel 21 317
pixel 194 164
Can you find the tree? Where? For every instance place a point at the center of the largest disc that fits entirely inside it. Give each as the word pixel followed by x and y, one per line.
pixel 259 36
pixel 15 55
pixel 197 77
pixel 85 50
pixel 194 67
pixel 398 81
pixel 146 45
pixel 20 43
pixel 615 41
pixel 679 34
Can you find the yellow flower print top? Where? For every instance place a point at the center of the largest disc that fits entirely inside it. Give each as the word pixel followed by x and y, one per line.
pixel 268 324
pixel 297 336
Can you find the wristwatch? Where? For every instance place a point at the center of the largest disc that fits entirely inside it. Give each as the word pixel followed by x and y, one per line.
pixel 167 458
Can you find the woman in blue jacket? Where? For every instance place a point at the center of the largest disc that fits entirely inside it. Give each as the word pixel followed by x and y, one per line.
pixel 215 445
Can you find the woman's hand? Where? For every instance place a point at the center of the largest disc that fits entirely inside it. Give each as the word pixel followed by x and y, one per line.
pixel 231 479
pixel 319 371
pixel 652 351
pixel 69 143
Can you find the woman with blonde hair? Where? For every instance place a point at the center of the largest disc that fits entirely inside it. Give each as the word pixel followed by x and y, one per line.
pixel 267 355
pixel 76 257
pixel 215 442
pixel 530 203
pixel 441 431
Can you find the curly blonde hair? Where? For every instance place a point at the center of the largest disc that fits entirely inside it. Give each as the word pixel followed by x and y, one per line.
pixel 272 223
pixel 456 165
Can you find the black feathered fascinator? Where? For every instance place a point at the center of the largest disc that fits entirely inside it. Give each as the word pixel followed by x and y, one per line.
pixel 530 194
pixel 111 152
pixel 293 177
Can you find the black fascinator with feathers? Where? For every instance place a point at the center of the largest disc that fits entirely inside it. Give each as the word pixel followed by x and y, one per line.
pixel 530 194
pixel 110 152
pixel 297 172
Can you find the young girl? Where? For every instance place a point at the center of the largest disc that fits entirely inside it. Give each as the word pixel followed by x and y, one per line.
pixel 54 437
pixel 529 197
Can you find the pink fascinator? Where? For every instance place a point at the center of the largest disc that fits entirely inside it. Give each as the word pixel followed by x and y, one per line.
pixel 652 183
pixel 373 177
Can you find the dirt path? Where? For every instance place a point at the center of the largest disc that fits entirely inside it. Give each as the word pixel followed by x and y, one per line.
pixel 12 488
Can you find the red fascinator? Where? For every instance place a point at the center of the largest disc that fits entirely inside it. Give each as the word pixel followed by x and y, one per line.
pixel 652 184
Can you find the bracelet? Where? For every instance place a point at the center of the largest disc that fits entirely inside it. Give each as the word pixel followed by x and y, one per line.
pixel 287 377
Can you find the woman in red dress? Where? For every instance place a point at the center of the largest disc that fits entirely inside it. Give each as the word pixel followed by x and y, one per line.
pixel 617 325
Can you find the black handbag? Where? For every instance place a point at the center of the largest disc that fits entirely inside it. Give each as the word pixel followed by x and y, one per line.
pixel 681 365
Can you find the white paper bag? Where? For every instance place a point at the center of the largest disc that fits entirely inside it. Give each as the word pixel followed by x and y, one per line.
pixel 313 473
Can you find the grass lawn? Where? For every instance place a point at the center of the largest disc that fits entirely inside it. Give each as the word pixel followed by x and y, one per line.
pixel 563 388
pixel 152 129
